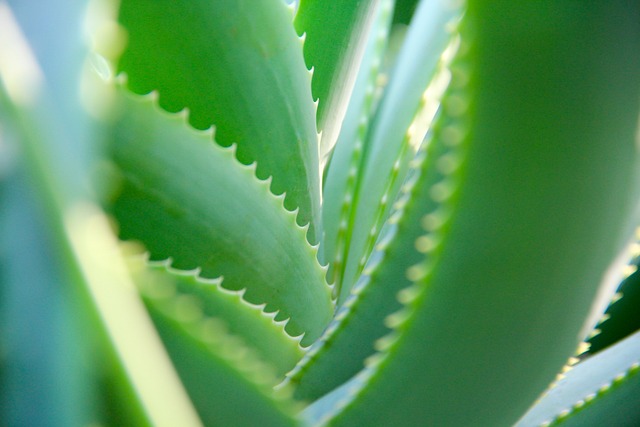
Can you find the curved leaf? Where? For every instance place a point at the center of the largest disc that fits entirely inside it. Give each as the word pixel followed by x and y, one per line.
pixel 545 176
pixel 41 83
pixel 602 390
pixel 238 65
pixel 335 38
pixel 341 173
pixel 226 384
pixel 188 199
pixel 257 329
pixel 350 339
pixel 400 123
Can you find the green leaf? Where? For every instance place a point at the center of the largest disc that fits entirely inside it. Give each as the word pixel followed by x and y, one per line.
pixel 227 385
pixel 335 39
pixel 350 339
pixel 340 182
pixel 188 199
pixel 400 123
pixel 545 176
pixel 621 317
pixel 601 390
pixel 237 65
pixel 257 329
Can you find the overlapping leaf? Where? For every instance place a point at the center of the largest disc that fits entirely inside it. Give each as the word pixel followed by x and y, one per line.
pixel 41 85
pixel 188 199
pixel 544 176
pixel 621 317
pixel 601 390
pixel 398 127
pixel 335 38
pixel 237 65
pixel 256 329
pixel 227 385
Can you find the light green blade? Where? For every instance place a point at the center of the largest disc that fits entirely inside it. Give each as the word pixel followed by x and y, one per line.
pixel 188 199
pixel 350 339
pixel 335 39
pixel 227 385
pixel 602 390
pixel 341 173
pixel 540 203
pixel 257 329
pixel 236 65
pixel 396 131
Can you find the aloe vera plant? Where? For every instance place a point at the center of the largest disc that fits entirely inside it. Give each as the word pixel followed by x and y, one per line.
pixel 352 213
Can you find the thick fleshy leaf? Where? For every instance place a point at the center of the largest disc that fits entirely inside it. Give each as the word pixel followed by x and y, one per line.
pixel 401 121
pixel 257 329
pixel 341 352
pixel 186 198
pixel 227 385
pixel 602 390
pixel 346 157
pixel 335 39
pixel 237 65
pixel 542 175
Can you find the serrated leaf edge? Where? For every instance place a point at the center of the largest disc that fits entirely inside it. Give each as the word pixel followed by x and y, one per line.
pixel 630 268
pixel 371 99
pixel 455 137
pixel 592 398
pixel 210 332
pixel 153 98
pixel 415 134
pixel 388 233
pixel 166 266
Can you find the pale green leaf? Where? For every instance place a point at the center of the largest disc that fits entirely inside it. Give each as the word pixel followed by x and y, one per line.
pixel 401 120
pixel 335 38
pixel 341 352
pixel 602 390
pixel 186 198
pixel 544 176
pixel 341 173
pixel 227 385
pixel 257 330
pixel 236 65
pixel 55 133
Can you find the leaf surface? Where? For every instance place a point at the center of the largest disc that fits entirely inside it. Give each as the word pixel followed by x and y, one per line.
pixel 340 179
pixel 544 175
pixel 44 104
pixel 397 129
pixel 188 199
pixel 350 339
pixel 237 65
pixel 335 38
pixel 226 384
pixel 257 330
pixel 602 390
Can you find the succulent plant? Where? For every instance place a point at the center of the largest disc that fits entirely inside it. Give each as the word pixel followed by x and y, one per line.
pixel 343 213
